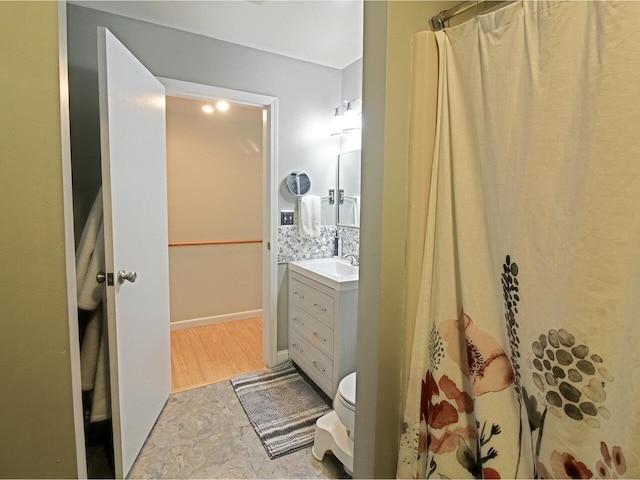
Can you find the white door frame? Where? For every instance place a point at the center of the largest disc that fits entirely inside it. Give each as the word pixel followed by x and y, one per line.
pixel 70 248
pixel 180 88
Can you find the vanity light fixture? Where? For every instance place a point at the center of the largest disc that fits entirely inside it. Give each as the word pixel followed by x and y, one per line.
pixel 337 122
pixel 347 117
pixel 353 116
pixel 207 109
pixel 222 105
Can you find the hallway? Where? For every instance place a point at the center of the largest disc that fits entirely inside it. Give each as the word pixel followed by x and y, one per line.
pixel 214 353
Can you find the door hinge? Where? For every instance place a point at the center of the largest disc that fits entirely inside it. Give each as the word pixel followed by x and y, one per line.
pixel 268 245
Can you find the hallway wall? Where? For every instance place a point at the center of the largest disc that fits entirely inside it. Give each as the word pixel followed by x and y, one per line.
pixel 214 186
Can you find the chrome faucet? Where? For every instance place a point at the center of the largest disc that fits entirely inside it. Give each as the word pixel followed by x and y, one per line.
pixel 353 259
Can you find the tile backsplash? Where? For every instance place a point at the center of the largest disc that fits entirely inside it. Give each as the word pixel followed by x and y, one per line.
pixel 350 240
pixel 293 247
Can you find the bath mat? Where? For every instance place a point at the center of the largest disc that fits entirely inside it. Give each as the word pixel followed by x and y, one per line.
pixel 282 406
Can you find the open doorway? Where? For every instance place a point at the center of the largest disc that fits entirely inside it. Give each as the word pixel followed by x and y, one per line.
pixel 215 209
pixel 239 234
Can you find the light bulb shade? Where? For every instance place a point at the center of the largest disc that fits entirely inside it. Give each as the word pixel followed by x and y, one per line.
pixel 352 117
pixel 350 111
pixel 337 123
pixel 352 122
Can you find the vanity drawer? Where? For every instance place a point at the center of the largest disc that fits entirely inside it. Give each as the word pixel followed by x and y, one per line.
pixel 311 301
pixel 316 332
pixel 312 361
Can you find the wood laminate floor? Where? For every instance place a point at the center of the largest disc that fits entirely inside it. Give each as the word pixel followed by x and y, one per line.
pixel 214 353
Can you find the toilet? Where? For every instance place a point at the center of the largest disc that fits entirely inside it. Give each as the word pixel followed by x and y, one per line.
pixel 334 431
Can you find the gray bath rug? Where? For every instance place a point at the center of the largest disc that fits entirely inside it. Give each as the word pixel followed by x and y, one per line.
pixel 282 406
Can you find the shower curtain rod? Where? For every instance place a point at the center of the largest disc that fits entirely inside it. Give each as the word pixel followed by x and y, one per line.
pixel 437 21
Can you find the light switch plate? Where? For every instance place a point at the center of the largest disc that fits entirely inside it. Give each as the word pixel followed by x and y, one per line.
pixel 286 217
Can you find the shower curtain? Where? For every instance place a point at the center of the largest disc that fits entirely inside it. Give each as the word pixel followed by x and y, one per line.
pixel 525 355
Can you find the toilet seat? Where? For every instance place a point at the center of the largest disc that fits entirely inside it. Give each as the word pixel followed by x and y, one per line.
pixel 347 388
pixel 344 402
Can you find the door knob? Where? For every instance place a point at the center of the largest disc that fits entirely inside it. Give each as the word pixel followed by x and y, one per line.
pixel 130 276
pixel 101 277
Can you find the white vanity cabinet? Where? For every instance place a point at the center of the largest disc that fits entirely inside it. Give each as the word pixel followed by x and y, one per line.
pixel 322 323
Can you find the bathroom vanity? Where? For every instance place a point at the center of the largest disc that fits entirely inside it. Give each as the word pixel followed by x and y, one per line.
pixel 323 306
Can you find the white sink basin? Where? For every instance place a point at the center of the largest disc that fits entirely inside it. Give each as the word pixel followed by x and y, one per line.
pixel 336 273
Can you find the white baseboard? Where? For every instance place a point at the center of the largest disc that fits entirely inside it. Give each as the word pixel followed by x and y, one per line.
pixel 282 356
pixel 229 317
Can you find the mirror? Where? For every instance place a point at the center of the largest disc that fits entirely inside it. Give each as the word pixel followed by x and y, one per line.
pixel 349 189
pixel 299 183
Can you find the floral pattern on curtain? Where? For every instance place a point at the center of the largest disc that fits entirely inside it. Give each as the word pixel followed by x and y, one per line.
pixel 525 361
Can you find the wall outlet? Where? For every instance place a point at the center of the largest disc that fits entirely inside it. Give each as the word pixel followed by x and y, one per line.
pixel 286 217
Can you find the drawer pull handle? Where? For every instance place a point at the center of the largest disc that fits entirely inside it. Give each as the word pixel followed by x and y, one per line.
pixel 320 369
pixel 315 334
pixel 319 307
pixel 295 345
pixel 301 297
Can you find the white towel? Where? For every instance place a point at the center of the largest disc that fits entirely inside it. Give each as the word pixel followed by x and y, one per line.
pixel 101 401
pixel 93 358
pixel 309 216
pixel 90 258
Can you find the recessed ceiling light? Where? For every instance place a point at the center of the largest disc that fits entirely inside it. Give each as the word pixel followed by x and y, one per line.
pixel 207 109
pixel 222 105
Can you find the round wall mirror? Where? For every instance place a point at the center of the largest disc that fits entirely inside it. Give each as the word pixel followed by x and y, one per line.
pixel 299 183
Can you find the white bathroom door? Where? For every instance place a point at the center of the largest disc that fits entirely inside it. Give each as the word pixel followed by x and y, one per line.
pixel 132 131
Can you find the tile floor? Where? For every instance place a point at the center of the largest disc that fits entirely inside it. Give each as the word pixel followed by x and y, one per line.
pixel 205 433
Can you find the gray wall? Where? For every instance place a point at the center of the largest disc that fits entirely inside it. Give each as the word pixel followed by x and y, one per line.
pixel 307 92
pixel 352 81
pixel 351 90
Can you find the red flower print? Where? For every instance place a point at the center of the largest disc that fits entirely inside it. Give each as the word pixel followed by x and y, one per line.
pixel 448 441
pixel 484 360
pixel 604 450
pixel 613 464
pixel 462 399
pixel 564 465
pixel 429 389
pixel 441 416
pixel 543 473
pixel 619 461
pixel 437 415
pixel 488 472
